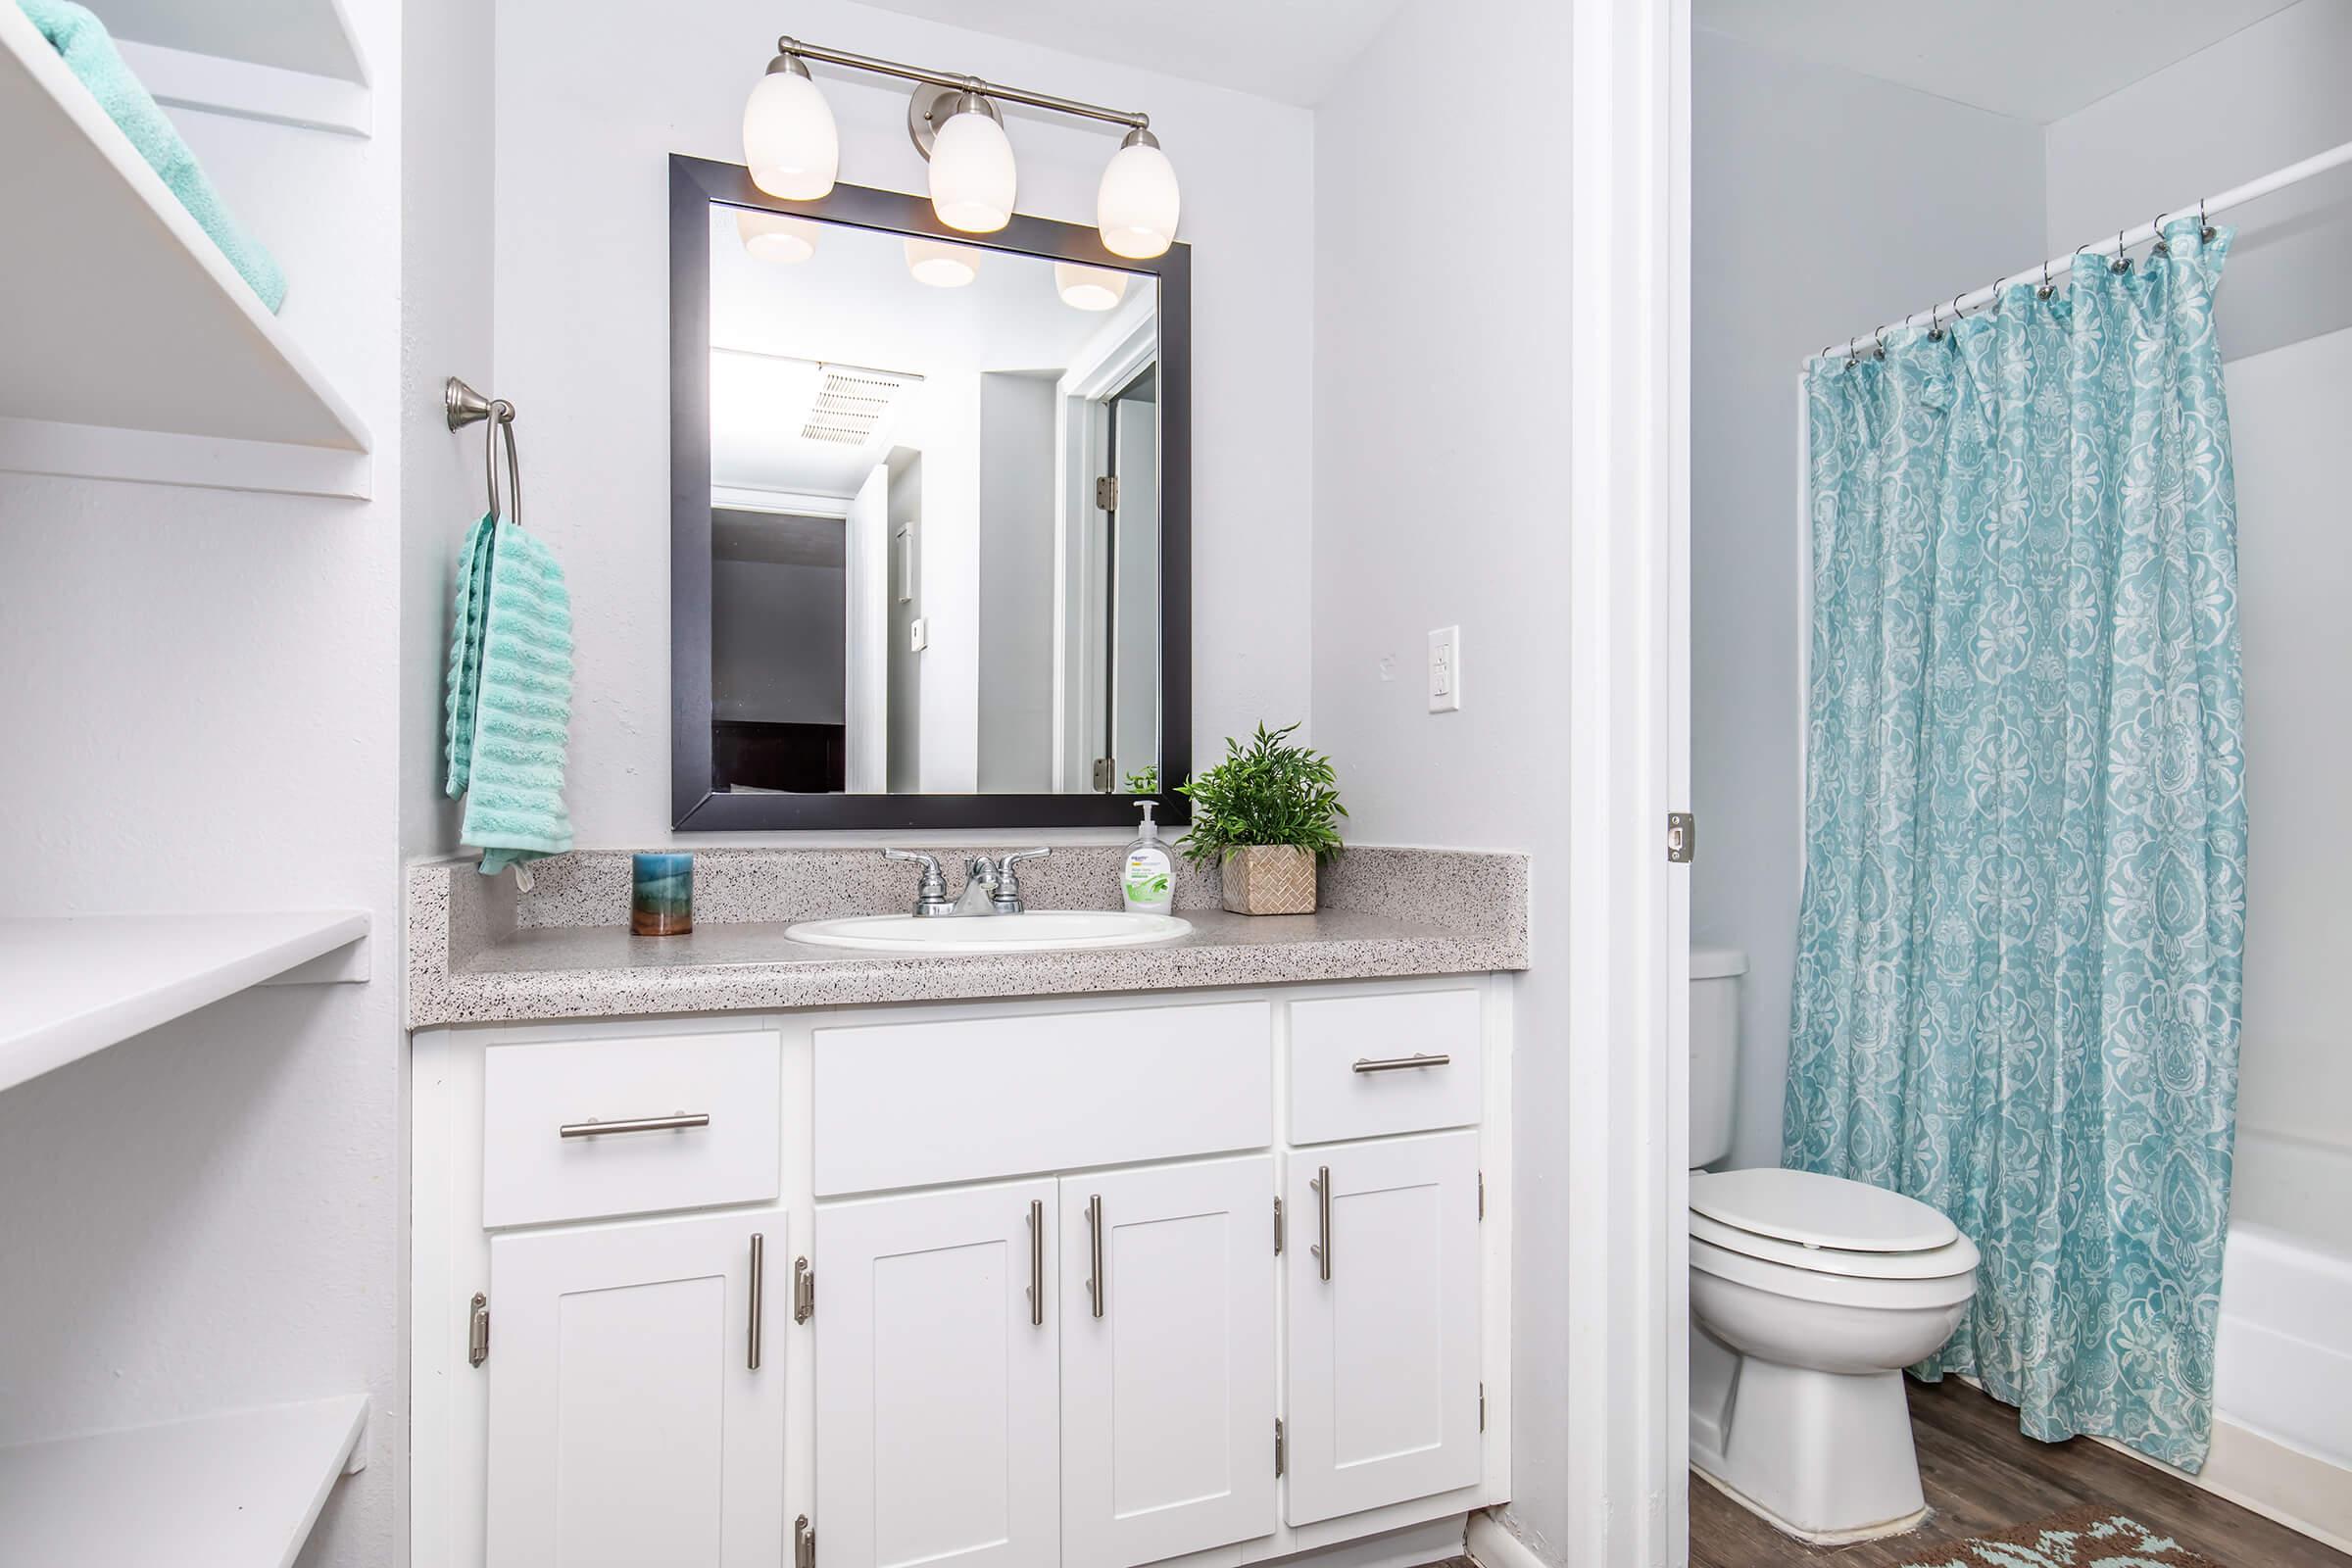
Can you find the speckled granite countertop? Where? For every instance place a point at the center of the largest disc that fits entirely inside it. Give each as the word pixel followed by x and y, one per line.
pixel 480 952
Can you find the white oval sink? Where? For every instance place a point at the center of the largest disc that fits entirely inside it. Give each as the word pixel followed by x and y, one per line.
pixel 1032 932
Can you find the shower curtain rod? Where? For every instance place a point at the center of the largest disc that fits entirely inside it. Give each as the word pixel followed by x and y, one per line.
pixel 2058 267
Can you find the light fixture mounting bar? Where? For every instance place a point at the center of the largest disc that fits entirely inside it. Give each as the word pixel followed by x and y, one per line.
pixel 795 48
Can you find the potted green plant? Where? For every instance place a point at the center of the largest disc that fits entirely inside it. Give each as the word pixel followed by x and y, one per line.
pixel 1264 816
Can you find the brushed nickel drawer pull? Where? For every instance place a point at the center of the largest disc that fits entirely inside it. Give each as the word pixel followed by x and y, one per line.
pixel 1097 1287
pixel 1322 1247
pixel 1036 1263
pixel 681 1122
pixel 1400 1063
pixel 758 1296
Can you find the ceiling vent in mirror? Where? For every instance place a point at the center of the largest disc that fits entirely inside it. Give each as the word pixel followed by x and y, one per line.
pixel 852 403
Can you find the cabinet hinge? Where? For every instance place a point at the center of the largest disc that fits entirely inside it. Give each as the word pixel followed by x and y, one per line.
pixel 804 1543
pixel 1482 1408
pixel 1106 493
pixel 1278 1227
pixel 477 1331
pixel 804 1291
pixel 1282 1449
pixel 1682 837
pixel 1482 1195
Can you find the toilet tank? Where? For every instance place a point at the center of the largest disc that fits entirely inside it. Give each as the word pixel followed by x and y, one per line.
pixel 1714 1050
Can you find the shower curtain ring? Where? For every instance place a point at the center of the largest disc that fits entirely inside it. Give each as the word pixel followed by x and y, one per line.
pixel 2122 263
pixel 2205 230
pixel 1935 324
pixel 2047 288
pixel 2163 246
pixel 1880 338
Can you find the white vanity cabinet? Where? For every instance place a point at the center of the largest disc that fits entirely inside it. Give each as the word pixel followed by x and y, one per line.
pixel 634 1416
pixel 1083 1283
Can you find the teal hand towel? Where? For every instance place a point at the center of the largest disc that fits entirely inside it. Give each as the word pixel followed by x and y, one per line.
pixel 510 696
pixel 80 40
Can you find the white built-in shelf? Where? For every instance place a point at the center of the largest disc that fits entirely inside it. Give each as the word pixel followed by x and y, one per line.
pixel 77 984
pixel 118 313
pixel 310 37
pixel 237 1490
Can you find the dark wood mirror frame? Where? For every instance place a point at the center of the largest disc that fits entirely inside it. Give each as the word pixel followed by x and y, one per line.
pixel 694 183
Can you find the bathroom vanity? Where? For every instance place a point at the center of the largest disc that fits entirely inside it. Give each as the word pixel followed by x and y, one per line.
pixel 1205 1251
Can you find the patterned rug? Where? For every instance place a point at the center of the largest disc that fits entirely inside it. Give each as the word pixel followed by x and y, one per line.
pixel 2096 1536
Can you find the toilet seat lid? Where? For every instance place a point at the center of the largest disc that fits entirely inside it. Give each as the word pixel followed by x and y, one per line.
pixel 1819 1211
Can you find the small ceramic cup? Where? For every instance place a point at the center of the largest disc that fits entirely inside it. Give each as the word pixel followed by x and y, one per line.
pixel 662 895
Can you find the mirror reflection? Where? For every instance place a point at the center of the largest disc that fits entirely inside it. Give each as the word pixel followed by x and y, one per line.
pixel 935 515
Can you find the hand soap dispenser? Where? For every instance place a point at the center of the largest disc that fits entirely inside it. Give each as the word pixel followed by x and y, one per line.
pixel 1147 885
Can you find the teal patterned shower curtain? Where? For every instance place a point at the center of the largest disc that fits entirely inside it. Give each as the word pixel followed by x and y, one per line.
pixel 2016 982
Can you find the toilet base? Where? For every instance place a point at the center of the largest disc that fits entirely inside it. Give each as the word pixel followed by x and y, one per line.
pixel 1824 1457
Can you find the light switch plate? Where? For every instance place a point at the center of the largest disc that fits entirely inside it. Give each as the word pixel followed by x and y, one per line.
pixel 1446 669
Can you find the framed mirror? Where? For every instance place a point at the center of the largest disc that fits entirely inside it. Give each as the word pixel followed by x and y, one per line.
pixel 930 516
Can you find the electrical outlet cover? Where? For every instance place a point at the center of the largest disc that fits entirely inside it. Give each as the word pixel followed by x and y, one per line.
pixel 1446 669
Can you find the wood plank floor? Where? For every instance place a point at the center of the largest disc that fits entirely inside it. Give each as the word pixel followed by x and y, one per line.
pixel 1983 1475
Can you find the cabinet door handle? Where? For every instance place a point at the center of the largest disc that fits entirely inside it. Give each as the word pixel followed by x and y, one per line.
pixel 1322 1247
pixel 1099 1287
pixel 681 1122
pixel 758 1296
pixel 1037 1262
pixel 1402 1063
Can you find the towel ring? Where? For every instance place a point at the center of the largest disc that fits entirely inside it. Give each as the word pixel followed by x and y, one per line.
pixel 464 406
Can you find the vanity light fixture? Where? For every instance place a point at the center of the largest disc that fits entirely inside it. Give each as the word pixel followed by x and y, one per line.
pixel 1088 288
pixel 790 140
pixel 777 238
pixel 941 265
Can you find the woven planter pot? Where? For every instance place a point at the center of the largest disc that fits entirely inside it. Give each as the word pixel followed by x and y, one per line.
pixel 1270 880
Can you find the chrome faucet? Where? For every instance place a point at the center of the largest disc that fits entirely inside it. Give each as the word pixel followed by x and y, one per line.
pixel 990 886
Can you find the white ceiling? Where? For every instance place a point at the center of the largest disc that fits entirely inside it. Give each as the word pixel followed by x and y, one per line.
pixel 1288 50
pixel 2031 59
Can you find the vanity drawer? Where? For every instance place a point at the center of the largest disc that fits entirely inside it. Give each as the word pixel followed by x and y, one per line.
pixel 961 1100
pixel 542 1162
pixel 1347 1072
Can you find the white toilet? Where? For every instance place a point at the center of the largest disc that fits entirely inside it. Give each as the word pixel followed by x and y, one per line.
pixel 1808 1296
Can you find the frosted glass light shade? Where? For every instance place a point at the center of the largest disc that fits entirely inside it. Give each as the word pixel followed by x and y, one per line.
pixel 777 238
pixel 1135 208
pixel 789 142
pixel 972 176
pixel 941 265
pixel 1088 288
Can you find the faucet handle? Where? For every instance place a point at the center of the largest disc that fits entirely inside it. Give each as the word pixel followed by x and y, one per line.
pixel 931 895
pixel 1009 880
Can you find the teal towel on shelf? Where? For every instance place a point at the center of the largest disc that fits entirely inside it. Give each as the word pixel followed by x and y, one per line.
pixel 510 697
pixel 80 40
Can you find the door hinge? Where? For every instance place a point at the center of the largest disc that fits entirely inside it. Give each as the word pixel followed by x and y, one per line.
pixel 1282 1449
pixel 1482 1408
pixel 1106 774
pixel 1682 837
pixel 804 1291
pixel 804 1543
pixel 1278 1227
pixel 477 1331
pixel 1482 1195
pixel 1106 493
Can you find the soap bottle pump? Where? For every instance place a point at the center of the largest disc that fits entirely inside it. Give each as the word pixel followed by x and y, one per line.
pixel 1147 885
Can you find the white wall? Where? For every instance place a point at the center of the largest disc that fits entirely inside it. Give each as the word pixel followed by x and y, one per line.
pixel 205 708
pixel 2261 99
pixel 2290 410
pixel 1016 582
pixel 1440 428
pixel 1822 203
pixel 587 115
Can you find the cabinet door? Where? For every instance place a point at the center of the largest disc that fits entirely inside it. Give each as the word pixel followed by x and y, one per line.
pixel 1383 1274
pixel 936 1408
pixel 627 1424
pixel 1167 1360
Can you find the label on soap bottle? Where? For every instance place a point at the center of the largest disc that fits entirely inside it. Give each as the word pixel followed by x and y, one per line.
pixel 1145 885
